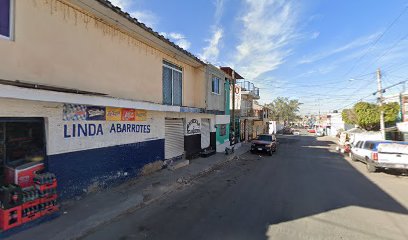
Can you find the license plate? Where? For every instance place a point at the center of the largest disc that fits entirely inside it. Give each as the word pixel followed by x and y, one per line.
pixel 259 149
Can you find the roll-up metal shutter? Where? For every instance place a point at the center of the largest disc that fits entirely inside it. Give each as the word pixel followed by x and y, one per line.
pixel 174 138
pixel 205 133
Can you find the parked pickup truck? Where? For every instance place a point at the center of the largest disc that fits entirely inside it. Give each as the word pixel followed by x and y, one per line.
pixel 381 154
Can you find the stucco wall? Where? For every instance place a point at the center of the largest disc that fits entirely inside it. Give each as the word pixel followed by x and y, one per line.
pixel 215 101
pixel 59 137
pixel 96 160
pixel 55 45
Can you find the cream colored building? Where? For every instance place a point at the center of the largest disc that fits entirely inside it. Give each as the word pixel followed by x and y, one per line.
pixel 105 93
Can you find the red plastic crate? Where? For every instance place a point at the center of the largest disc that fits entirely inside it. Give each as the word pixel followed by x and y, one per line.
pixel 49 210
pixel 48 198
pixel 31 217
pixel 10 218
pixel 44 187
pixel 30 204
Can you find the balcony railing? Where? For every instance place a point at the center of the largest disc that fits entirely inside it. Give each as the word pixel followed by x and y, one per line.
pixel 248 86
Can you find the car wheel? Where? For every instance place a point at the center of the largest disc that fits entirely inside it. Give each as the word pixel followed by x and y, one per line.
pixel 352 157
pixel 370 167
pixel 252 151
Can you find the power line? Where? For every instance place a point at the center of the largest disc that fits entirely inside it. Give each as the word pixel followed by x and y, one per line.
pixel 376 41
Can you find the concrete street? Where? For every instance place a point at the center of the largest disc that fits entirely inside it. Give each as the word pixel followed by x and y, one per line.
pixel 304 191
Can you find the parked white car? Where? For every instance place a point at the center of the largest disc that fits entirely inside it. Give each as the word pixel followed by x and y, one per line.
pixel 381 154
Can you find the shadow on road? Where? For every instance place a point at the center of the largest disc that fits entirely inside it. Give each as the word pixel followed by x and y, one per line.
pixel 325 181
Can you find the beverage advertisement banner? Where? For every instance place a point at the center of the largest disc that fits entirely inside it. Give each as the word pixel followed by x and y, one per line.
pixel 95 113
pixel 113 114
pixel 128 114
pixel 141 115
pixel 74 112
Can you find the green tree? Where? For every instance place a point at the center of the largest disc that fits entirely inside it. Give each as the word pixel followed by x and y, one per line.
pixel 284 110
pixel 349 116
pixel 391 111
pixel 367 115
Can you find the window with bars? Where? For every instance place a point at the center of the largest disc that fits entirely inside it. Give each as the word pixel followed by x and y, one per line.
pixel 5 18
pixel 216 85
pixel 172 84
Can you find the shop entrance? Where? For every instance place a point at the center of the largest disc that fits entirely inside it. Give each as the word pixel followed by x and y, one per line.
pixel 22 145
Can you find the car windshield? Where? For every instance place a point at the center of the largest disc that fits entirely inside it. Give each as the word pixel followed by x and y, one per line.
pixel 265 138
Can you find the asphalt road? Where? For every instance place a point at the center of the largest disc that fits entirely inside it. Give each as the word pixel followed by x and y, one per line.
pixel 304 191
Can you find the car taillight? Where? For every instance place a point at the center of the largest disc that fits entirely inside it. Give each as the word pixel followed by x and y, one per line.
pixel 374 156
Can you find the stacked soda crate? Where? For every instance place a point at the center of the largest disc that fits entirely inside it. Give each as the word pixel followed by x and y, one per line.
pixel 46 185
pixel 31 205
pixel 19 206
pixel 10 210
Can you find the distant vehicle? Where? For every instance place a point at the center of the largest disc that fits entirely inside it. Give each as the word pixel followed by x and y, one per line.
pixel 264 143
pixel 319 134
pixel 311 130
pixel 381 154
pixel 296 132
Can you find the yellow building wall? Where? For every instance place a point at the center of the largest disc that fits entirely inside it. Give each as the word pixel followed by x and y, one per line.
pixel 55 45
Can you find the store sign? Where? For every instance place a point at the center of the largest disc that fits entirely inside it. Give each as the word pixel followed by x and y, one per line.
pixel 77 130
pixel 74 112
pixel 128 114
pixel 140 115
pixel 193 127
pixel 113 114
pixel 94 113
pixel 237 93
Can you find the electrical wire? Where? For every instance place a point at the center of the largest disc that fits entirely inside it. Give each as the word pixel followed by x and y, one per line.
pixel 376 41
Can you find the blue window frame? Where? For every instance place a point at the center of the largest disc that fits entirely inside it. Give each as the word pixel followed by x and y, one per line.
pixel 215 85
pixel 5 18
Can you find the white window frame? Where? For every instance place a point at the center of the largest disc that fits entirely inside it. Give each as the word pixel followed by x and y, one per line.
pixel 11 23
pixel 172 81
pixel 219 80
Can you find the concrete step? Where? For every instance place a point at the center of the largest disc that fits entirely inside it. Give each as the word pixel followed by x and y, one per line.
pixel 179 164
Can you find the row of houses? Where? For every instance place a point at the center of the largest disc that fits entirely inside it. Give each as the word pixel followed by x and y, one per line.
pixel 93 95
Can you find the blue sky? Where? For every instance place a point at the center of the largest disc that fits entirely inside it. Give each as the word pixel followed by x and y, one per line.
pixel 324 53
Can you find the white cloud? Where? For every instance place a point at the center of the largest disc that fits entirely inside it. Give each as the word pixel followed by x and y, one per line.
pixel 211 52
pixel 362 41
pixel 268 28
pixel 315 35
pixel 123 4
pixel 143 16
pixel 146 17
pixel 219 8
pixel 178 39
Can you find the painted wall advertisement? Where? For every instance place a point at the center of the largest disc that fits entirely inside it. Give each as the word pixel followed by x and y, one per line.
pixel 237 93
pixel 113 121
pixel 193 126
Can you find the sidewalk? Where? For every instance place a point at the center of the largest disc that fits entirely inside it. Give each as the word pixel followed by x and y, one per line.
pixel 80 216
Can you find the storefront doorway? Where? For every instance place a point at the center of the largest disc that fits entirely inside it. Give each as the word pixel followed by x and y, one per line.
pixel 22 144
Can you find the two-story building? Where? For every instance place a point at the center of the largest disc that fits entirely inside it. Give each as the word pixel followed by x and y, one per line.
pixel 249 113
pixel 94 95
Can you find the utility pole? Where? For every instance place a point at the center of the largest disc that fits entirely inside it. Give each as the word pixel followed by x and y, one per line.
pixel 233 106
pixel 380 101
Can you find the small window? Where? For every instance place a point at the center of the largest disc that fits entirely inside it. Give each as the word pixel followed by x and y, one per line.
pixel 172 84
pixel 5 18
pixel 216 85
